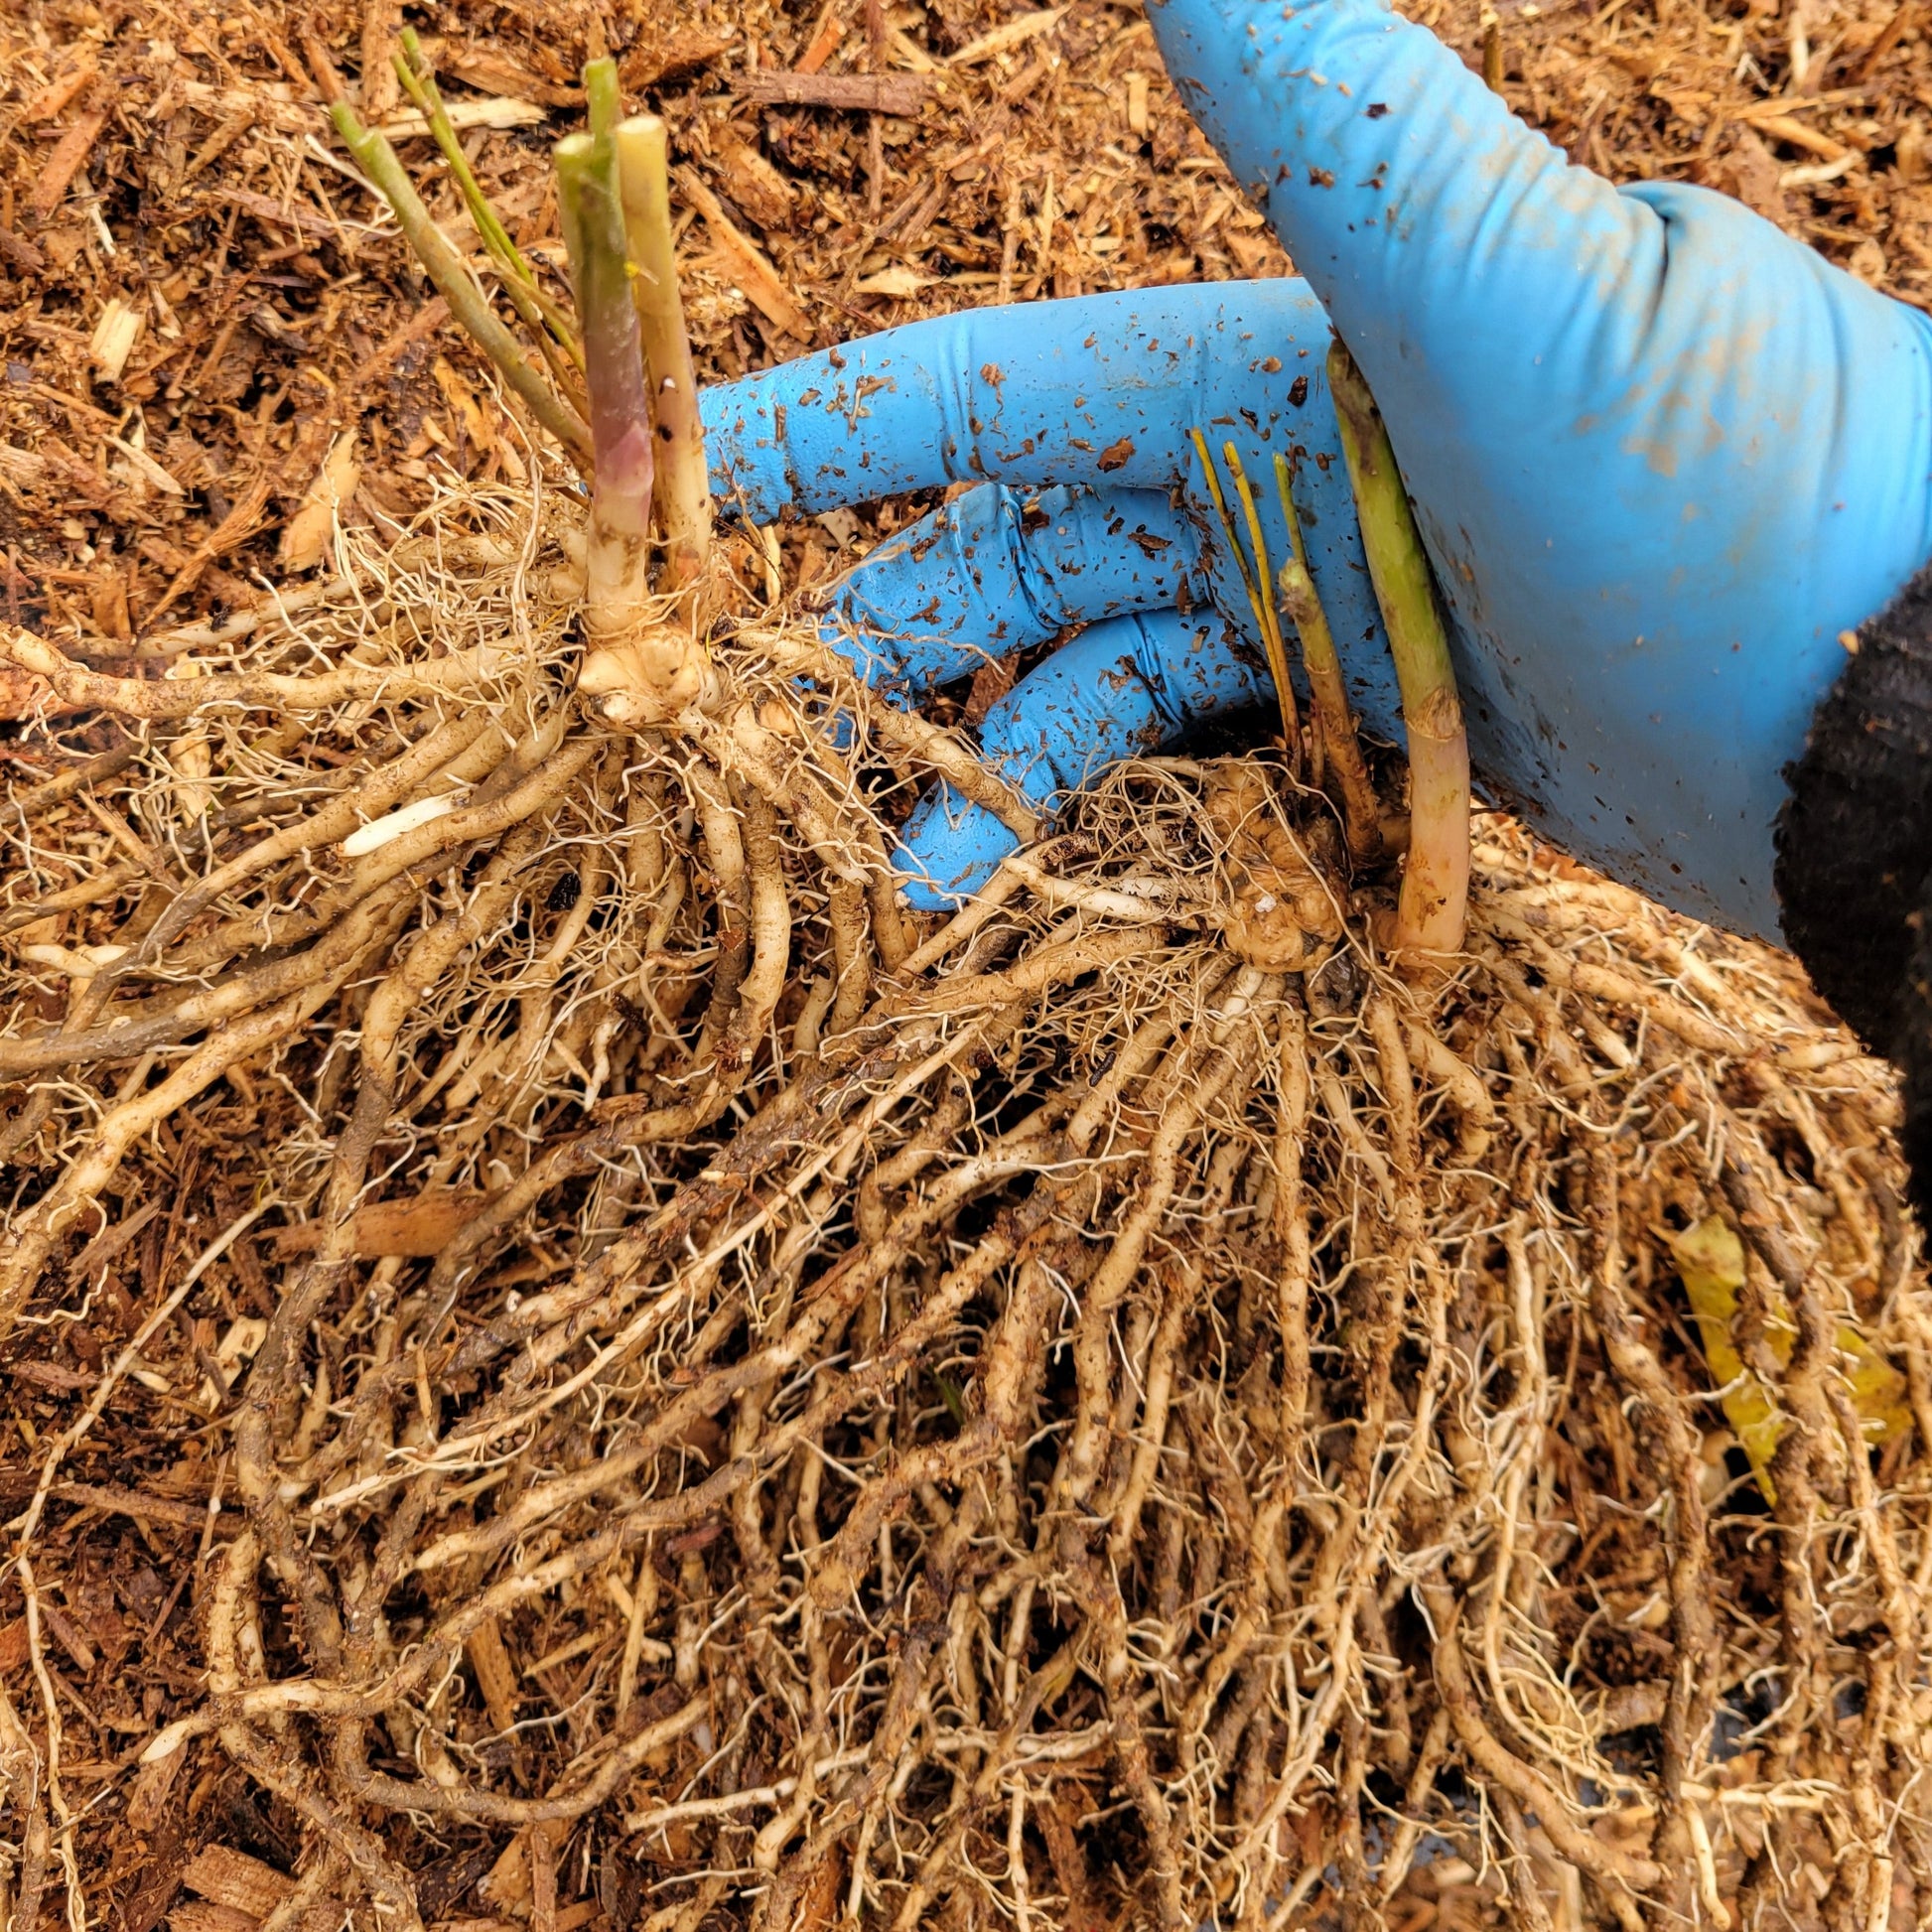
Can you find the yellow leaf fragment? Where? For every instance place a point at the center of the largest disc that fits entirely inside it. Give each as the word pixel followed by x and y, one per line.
pixel 1711 1264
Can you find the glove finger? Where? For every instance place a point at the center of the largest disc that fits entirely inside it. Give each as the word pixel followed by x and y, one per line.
pixel 997 570
pixel 1434 224
pixel 1099 390
pixel 1123 687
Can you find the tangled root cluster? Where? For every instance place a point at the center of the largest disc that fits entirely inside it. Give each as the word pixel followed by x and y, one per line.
pixel 1111 1410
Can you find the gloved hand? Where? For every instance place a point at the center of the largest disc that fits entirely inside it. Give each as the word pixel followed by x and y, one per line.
pixel 1082 409
pixel 1663 455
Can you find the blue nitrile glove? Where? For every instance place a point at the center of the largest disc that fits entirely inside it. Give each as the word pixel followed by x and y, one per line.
pixel 1661 455
pixel 1085 406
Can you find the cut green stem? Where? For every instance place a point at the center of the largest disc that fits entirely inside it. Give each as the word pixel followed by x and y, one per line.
pixel 602 97
pixel 1433 905
pixel 618 557
pixel 450 273
pixel 683 484
pixel 1334 715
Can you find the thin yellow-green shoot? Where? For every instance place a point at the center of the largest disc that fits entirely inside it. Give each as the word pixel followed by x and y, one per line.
pixel 447 268
pixel 1334 715
pixel 1271 617
pixel 548 320
pixel 1254 579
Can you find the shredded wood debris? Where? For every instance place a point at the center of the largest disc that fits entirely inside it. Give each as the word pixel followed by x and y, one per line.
pixel 568 1365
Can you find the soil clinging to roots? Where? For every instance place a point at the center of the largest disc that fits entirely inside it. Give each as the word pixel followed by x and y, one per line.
pixel 1118 1407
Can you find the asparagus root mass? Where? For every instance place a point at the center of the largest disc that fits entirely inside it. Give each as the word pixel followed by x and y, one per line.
pixel 716 1402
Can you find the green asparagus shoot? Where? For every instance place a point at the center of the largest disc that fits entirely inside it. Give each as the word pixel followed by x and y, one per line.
pixel 619 403
pixel 1432 911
